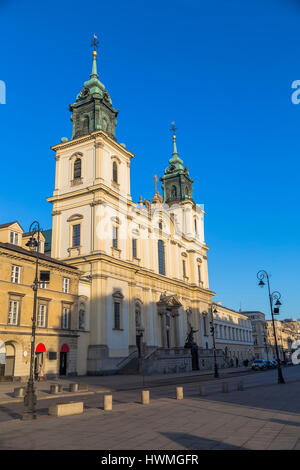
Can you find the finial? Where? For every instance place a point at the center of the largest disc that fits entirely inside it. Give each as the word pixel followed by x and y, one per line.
pixel 175 160
pixel 173 128
pixel 94 44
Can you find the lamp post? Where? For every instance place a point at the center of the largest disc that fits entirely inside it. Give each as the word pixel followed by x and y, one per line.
pixel 30 396
pixel 274 306
pixel 213 310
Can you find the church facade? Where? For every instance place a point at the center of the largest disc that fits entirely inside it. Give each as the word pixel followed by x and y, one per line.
pixel 144 264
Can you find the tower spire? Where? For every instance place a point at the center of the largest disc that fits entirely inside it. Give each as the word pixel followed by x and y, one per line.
pixel 94 44
pixel 175 160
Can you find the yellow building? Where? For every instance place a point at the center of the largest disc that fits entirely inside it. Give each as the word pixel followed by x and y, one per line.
pixel 57 334
pixel 286 334
pixel 233 333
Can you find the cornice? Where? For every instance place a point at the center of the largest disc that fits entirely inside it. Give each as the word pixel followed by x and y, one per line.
pixel 119 263
pixel 90 137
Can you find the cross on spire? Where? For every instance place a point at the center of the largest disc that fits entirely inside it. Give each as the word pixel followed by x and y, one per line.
pixel 155 179
pixel 173 128
pixel 95 42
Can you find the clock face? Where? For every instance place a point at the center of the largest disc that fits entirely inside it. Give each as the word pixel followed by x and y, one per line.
pixel 84 92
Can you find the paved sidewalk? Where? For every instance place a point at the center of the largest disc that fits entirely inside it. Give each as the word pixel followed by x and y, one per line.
pixel 266 417
pixel 110 383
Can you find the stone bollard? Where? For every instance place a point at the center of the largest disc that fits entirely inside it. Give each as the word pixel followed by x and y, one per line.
pixel 107 402
pixel 53 389
pixel 19 392
pixel 145 397
pixel 202 391
pixel 179 393
pixel 224 387
pixel 240 386
pixel 73 387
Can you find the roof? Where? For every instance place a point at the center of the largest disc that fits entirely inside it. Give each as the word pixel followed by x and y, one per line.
pixel 9 223
pixel 42 256
pixel 48 236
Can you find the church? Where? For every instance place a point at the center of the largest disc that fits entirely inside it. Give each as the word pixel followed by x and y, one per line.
pixel 143 265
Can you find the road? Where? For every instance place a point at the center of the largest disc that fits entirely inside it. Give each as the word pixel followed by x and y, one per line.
pixel 166 388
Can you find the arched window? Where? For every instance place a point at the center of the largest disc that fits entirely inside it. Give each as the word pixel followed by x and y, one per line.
pixel 77 168
pixel 138 316
pixel 161 257
pixel 115 172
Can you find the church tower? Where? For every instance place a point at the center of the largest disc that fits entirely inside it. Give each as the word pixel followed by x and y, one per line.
pixel 93 108
pixel 176 182
pixel 143 265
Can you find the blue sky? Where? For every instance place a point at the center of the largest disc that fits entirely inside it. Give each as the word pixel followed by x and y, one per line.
pixel 222 70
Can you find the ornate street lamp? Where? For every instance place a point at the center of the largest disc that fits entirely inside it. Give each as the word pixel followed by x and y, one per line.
pixel 213 310
pixel 30 396
pixel 274 306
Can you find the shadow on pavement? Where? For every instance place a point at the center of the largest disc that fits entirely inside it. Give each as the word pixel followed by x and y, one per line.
pixel 192 442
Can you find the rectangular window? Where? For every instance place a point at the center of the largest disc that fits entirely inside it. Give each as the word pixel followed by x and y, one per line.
pixel 66 285
pixel 14 238
pixel 183 268
pixel 134 248
pixel 65 319
pixel 76 235
pixel 115 237
pixel 205 329
pixel 161 257
pixel 199 273
pixel 13 312
pixel 15 274
pixel 41 318
pixel 117 317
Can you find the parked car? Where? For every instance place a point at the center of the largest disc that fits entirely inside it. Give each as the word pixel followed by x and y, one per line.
pixel 275 363
pixel 259 364
pixel 270 364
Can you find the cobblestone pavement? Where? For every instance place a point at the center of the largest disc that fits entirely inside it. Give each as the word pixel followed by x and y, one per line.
pixel 265 417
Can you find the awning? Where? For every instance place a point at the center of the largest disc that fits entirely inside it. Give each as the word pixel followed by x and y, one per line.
pixel 40 348
pixel 64 348
pixel 2 352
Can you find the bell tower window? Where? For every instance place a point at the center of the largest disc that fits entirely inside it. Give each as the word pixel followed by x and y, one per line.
pixel 115 172
pixel 77 168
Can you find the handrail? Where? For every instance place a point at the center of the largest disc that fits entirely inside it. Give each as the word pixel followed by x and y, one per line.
pixel 126 359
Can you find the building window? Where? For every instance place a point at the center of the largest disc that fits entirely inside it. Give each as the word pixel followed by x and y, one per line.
pixel 199 273
pixel 14 238
pixel 183 268
pixel 117 316
pixel 117 310
pixel 115 237
pixel 134 248
pixel 77 168
pixel 160 226
pixel 13 312
pixel 65 319
pixel 76 235
pixel 161 257
pixel 205 328
pixel 42 313
pixel 15 274
pixel 81 319
pixel 196 228
pixel 115 172
pixel 66 285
